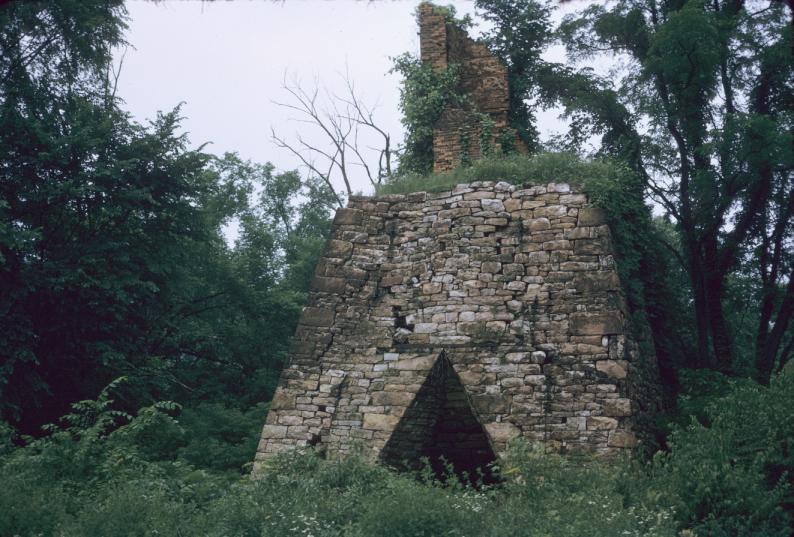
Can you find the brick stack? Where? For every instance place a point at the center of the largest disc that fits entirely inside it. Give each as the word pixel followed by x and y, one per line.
pixel 483 78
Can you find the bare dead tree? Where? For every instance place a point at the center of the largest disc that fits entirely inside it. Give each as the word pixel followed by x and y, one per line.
pixel 340 123
pixel 363 117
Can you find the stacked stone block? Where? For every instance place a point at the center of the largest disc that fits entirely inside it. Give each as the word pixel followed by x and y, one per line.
pixel 514 287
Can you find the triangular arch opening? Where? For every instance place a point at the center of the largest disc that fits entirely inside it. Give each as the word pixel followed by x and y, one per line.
pixel 440 425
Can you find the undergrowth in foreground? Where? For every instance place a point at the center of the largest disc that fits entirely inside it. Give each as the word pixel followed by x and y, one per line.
pixel 728 473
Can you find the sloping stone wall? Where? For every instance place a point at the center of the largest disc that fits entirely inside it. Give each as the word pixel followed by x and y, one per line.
pixel 515 287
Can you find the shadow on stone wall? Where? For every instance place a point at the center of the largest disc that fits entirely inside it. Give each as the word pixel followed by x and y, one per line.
pixel 440 425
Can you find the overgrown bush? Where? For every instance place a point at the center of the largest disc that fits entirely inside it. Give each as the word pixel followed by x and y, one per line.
pixel 515 169
pixel 218 437
pixel 730 471
pixel 101 472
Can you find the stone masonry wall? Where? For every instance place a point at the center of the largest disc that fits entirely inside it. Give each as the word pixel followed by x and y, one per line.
pixel 515 288
pixel 483 78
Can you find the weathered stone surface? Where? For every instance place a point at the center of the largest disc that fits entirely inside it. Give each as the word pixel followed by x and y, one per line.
pixel 490 403
pixel 533 331
pixel 283 399
pixel 617 369
pixel 349 217
pixel 380 422
pixel 592 216
pixel 317 316
pixel 622 439
pixel 329 285
pixel 591 282
pixel 274 431
pixel 502 432
pixel 617 407
pixel 600 423
pixel 337 248
pixel 392 398
pixel 422 363
pixel 583 324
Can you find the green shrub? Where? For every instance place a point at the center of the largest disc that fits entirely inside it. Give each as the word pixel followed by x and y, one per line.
pixel 732 471
pixel 220 437
pixel 405 508
pixel 729 472
pixel 515 169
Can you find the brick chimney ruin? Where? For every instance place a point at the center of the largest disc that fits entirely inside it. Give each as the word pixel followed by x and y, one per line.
pixel 483 78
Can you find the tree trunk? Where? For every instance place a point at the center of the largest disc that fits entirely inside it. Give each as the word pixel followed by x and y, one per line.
pixel 696 274
pixel 720 334
pixel 767 351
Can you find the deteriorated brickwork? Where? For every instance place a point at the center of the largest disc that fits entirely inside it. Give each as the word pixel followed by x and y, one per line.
pixel 508 295
pixel 483 78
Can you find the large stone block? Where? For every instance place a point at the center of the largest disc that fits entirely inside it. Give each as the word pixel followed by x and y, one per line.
pixel 622 439
pixel 317 316
pixel 590 282
pixel 491 403
pixel 349 217
pixel 329 284
pixel 283 399
pixel 337 248
pixel 617 369
pixel 617 407
pixel 592 216
pixel 401 398
pixel 380 422
pixel 584 324
pixel 502 432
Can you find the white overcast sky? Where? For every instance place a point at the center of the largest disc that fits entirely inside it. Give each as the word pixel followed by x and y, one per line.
pixel 226 62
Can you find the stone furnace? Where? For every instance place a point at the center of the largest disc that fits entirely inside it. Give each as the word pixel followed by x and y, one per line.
pixel 450 323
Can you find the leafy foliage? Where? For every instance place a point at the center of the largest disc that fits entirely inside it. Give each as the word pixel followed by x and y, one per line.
pixel 424 95
pixel 116 279
pixel 515 169
pixel 520 31
pixel 706 124
pixel 728 474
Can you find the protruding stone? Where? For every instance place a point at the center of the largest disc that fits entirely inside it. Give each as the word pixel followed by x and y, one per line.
pixel 622 439
pixel 380 422
pixel 502 431
pixel 592 216
pixel 583 324
pixel 349 217
pixel 617 369
pixel 317 316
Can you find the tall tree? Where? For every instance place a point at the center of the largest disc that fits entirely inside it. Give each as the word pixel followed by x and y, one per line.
pixel 520 32
pixel 711 84
pixel 112 256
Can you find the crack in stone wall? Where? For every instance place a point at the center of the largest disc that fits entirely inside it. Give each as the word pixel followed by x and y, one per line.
pixel 517 286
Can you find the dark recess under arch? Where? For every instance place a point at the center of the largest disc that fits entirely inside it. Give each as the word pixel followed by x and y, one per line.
pixel 441 426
